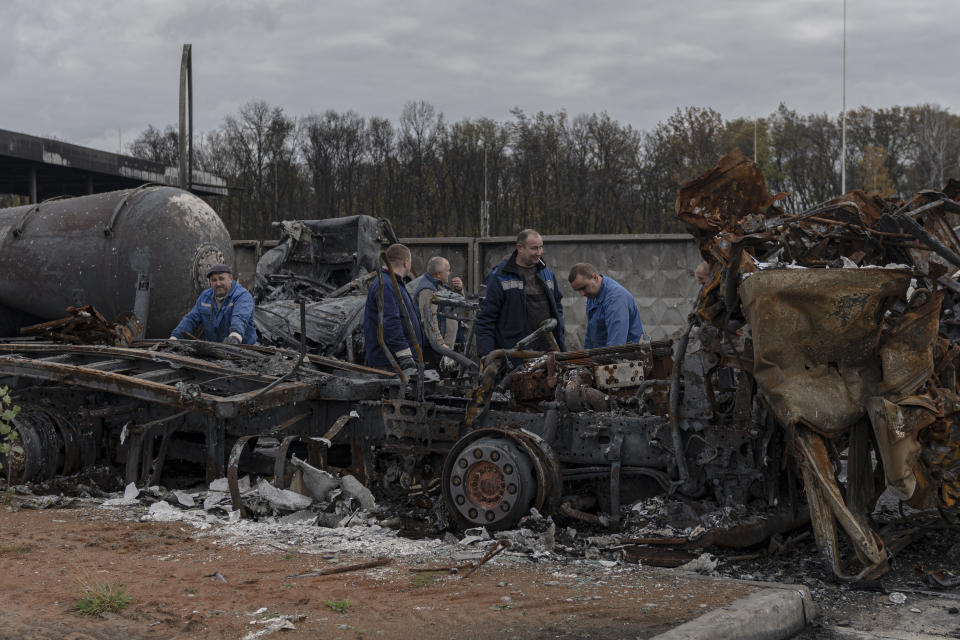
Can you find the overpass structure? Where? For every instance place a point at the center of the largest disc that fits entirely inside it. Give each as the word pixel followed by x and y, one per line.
pixel 42 168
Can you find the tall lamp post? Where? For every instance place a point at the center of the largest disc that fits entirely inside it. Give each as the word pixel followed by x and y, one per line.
pixel 843 107
pixel 485 205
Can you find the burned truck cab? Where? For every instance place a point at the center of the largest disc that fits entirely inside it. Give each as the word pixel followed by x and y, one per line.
pixel 577 433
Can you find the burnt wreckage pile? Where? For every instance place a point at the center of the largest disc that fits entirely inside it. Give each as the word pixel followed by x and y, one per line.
pixel 842 321
pixel 787 362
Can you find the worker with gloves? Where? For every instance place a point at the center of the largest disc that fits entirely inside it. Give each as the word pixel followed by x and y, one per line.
pixel 438 332
pixel 399 338
pixel 225 311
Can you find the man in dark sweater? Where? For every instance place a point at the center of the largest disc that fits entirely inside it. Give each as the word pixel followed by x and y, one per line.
pixel 521 293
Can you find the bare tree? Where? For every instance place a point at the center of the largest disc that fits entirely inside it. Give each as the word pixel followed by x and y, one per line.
pixel 158 146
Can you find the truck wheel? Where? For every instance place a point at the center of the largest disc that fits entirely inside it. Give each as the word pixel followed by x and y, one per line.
pixel 492 478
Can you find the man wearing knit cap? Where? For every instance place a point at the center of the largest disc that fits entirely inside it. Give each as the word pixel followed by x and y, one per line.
pixel 225 311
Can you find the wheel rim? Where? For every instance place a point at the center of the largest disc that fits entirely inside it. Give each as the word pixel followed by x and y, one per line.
pixel 491 482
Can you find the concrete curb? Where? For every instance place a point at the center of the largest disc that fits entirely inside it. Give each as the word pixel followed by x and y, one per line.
pixel 778 611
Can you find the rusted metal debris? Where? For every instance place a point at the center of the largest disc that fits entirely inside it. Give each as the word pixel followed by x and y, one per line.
pixel 86 325
pixel 359 566
pixel 843 318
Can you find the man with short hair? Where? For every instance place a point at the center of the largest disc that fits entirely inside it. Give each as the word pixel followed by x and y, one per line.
pixel 612 314
pixel 396 336
pixel 423 289
pixel 225 311
pixel 702 272
pixel 522 292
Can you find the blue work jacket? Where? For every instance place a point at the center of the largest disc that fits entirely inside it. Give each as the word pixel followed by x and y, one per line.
pixel 234 315
pixel 612 317
pixel 502 320
pixel 395 334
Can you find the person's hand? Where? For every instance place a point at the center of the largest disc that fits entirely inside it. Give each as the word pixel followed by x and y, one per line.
pixel 456 284
pixel 448 365
pixel 406 362
pixel 233 338
pixel 173 338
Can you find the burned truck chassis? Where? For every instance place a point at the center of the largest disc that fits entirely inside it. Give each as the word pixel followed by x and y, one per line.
pixel 560 444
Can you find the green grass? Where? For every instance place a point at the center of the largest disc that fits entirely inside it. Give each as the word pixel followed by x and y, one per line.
pixel 340 606
pixel 426 578
pixel 101 598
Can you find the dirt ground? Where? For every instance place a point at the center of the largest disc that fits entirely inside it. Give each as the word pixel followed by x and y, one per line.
pixel 170 572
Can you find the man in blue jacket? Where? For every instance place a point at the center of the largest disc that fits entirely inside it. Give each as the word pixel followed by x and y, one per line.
pixel 521 293
pixel 396 336
pixel 225 311
pixel 612 313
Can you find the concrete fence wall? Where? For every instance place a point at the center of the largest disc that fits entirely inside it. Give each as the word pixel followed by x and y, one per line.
pixel 656 269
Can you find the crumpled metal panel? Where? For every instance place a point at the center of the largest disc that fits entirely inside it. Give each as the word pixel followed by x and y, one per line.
pixel 721 197
pixel 329 323
pixel 815 339
pixel 907 350
pixel 895 428
pixel 827 508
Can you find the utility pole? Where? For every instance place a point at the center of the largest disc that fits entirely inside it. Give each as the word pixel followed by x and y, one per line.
pixel 485 205
pixel 186 118
pixel 843 108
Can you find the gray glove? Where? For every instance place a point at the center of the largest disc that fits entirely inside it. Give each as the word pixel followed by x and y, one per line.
pixel 448 365
pixel 233 338
pixel 407 364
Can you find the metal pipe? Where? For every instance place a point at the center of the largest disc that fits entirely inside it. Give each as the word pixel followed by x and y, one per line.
pixel 913 228
pixel 303 353
pixel 678 452
pixel 380 339
pixel 546 326
pixel 408 325
pixel 437 345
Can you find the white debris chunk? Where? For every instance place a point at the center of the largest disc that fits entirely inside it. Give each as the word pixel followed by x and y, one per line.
pixel 282 498
pixel 213 499
pixel 163 512
pixel 130 494
pixel 318 482
pixel 184 498
pixel 704 564
pixel 353 488
pixel 222 485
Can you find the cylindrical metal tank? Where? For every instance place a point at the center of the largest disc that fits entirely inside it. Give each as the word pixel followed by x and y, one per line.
pixel 144 250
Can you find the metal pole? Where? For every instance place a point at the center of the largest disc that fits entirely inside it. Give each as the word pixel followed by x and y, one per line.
pixel 186 94
pixel 33 185
pixel 484 206
pixel 486 202
pixel 843 111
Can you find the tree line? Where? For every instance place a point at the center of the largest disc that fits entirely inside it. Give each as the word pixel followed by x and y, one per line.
pixel 588 174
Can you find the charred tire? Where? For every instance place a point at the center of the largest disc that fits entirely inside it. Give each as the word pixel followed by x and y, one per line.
pixel 51 446
pixel 493 477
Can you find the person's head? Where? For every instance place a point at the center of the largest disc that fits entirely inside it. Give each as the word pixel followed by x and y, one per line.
pixel 399 258
pixel 439 268
pixel 585 279
pixel 221 279
pixel 529 248
pixel 703 272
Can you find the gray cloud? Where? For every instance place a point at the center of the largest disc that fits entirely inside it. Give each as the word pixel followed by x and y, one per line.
pixel 81 71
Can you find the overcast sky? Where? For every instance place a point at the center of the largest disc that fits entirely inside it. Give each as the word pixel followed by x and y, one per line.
pixel 81 71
